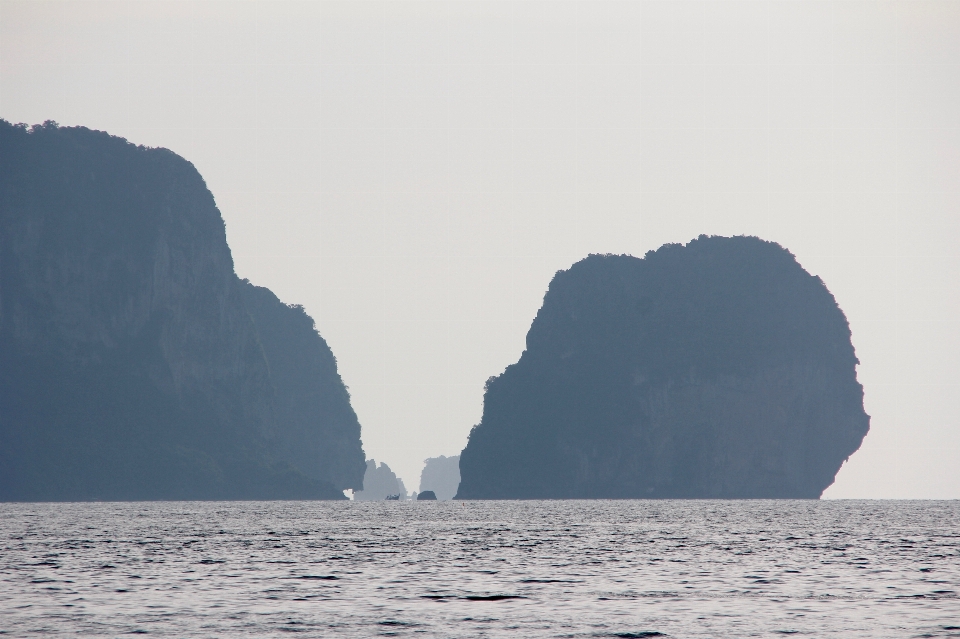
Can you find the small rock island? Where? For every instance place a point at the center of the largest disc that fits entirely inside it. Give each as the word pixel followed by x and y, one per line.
pixel 441 476
pixel 379 482
pixel 715 369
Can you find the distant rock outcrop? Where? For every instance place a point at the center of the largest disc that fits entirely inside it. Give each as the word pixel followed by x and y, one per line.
pixel 379 482
pixel 427 495
pixel 441 475
pixel 134 364
pixel 719 369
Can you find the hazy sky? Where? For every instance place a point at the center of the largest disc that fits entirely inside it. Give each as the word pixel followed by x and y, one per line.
pixel 414 173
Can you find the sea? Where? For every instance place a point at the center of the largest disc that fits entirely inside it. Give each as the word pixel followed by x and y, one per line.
pixel 481 569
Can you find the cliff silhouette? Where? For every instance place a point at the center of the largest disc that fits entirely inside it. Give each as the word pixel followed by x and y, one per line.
pixel 320 434
pixel 134 364
pixel 716 369
pixel 441 475
pixel 379 483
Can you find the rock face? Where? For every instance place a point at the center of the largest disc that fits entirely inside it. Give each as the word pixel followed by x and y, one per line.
pixel 320 434
pixel 719 369
pixel 441 475
pixel 427 495
pixel 379 483
pixel 134 364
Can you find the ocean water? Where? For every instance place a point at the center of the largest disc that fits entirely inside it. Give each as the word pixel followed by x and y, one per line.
pixel 481 569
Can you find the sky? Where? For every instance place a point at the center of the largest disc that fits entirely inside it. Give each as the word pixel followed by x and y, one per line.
pixel 414 173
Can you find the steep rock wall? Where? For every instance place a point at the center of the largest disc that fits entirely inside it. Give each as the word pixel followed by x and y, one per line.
pixel 130 367
pixel 319 432
pixel 716 369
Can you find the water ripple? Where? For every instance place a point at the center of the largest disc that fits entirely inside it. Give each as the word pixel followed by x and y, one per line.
pixel 491 569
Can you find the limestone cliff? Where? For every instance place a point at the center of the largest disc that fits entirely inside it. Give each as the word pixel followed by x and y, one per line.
pixel 130 365
pixel 320 434
pixel 379 483
pixel 441 475
pixel 719 369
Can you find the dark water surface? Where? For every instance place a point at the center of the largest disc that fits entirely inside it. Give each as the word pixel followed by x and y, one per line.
pixel 482 569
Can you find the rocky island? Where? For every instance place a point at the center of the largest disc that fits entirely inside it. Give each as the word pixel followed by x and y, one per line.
pixel 716 369
pixel 441 476
pixel 379 483
pixel 134 363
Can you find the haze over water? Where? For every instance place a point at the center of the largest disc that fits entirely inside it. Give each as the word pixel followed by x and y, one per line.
pixel 465 569
pixel 415 173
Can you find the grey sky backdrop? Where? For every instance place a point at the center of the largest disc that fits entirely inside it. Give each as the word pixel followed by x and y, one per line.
pixel 415 172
